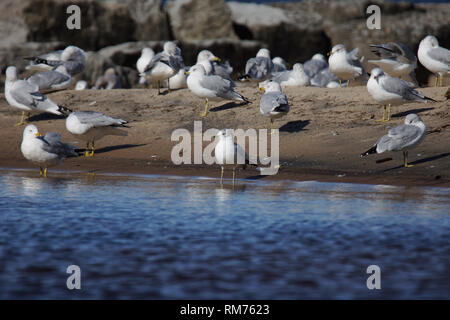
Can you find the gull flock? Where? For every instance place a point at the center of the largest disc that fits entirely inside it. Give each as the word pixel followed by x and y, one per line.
pixel 392 82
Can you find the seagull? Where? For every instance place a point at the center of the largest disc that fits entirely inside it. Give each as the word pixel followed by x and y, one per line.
pixel 211 87
pixel 147 55
pixel 325 79
pixel 91 126
pixel 397 60
pixel 392 91
pixel 45 150
pixel 164 65
pixel 259 68
pixel 291 78
pixel 212 64
pixel 345 65
pixel 110 80
pixel 228 153
pixel 53 80
pixel 25 96
pixel 274 103
pixel 314 65
pixel 73 58
pixel 279 64
pixel 401 138
pixel 433 57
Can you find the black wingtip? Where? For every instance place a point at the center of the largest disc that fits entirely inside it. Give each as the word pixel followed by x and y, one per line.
pixel 64 110
pixel 245 77
pixel 370 151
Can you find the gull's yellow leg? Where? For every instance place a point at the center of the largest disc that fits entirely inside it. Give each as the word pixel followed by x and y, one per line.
pixel 205 113
pixel 221 177
pixel 45 172
pixel 86 153
pixel 348 83
pixel 384 115
pixel 92 149
pixel 340 82
pixel 436 82
pixel 441 78
pixel 22 120
pixel 40 171
pixel 405 160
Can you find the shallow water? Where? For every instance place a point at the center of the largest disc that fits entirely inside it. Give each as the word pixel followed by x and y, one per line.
pixel 153 237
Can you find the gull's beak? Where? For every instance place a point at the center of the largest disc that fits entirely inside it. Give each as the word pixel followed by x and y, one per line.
pixel 262 89
pixel 217 59
pixel 37 134
pixel 329 53
pixel 187 73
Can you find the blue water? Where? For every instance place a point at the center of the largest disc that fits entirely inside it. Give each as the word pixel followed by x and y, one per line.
pixel 159 237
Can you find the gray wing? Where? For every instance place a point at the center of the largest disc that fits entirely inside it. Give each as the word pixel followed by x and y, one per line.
pixel 97 119
pixel 394 51
pixel 440 54
pixel 259 68
pixel 323 78
pixel 45 80
pixel 53 144
pixel 222 69
pixel 313 66
pixel 398 138
pixel 26 93
pixel 74 67
pixel 163 58
pixel 273 101
pixel 401 87
pixel 221 86
pixel 281 76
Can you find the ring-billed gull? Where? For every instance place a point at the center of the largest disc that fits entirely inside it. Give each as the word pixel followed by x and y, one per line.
pixel 147 55
pixel 45 150
pixel 53 80
pixel 434 58
pixel 290 78
pixel 212 64
pixel 259 68
pixel 177 81
pixel 110 80
pixel 279 64
pixel 164 64
pixel 345 65
pixel 73 58
pixel 274 103
pixel 25 96
pixel 228 153
pixel 90 126
pixel 392 91
pixel 397 60
pixel 325 79
pixel 316 64
pixel 212 87
pixel 401 138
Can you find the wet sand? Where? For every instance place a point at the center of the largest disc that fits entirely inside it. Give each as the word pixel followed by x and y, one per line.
pixel 320 139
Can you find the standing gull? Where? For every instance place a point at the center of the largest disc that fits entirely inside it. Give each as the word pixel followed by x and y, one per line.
pixel 392 91
pixel 228 153
pixel 274 103
pixel 401 138
pixel 73 58
pixel 91 126
pixel 259 68
pixel 397 60
pixel 434 58
pixel 345 65
pixel 290 78
pixel 25 96
pixel 147 55
pixel 45 150
pixel 211 87
pixel 164 65
pixel 53 80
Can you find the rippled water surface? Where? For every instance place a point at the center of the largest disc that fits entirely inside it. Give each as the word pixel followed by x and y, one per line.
pixel 155 237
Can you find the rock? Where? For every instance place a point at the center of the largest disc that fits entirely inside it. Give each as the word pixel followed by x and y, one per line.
pixel 200 19
pixel 294 36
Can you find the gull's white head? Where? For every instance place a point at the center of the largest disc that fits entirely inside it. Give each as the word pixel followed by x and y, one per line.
pixel 339 48
pixel 171 48
pixel 319 56
pixel 298 68
pixel 376 73
pixel 224 133
pixel 30 131
pixel 271 86
pixel 412 118
pixel 72 53
pixel 429 42
pixel 279 60
pixel 11 73
pixel 206 55
pixel 263 53
pixel 147 52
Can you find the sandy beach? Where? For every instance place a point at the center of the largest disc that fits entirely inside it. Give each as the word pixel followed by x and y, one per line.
pixel 321 138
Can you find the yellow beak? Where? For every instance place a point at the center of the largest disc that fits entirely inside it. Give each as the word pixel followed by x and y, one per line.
pixel 329 53
pixel 187 73
pixel 216 59
pixel 262 89
pixel 37 134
